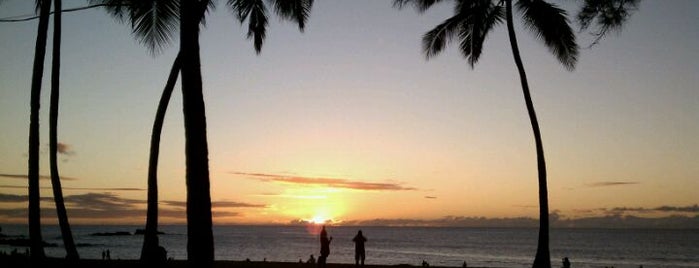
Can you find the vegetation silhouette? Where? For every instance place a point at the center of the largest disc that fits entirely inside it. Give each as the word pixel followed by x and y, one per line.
pixel 34 215
pixel 473 20
pixel 157 30
pixel 66 233
pixel 151 246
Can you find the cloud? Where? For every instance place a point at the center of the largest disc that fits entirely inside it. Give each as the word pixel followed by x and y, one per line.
pixel 327 182
pixel 101 201
pixel 98 207
pixel 615 221
pixel 666 209
pixel 611 183
pixel 430 197
pixel 217 204
pixel 11 198
pixel 24 177
pixel 76 188
pixel 65 149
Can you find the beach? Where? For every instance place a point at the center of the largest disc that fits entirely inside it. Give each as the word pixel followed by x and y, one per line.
pixel 23 261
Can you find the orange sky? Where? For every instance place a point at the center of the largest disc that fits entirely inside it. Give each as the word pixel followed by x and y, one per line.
pixel 351 123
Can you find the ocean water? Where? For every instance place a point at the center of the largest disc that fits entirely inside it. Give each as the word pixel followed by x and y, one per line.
pixel 490 247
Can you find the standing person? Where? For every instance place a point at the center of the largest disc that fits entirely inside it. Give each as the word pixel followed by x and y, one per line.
pixel 324 248
pixel 359 253
pixel 566 262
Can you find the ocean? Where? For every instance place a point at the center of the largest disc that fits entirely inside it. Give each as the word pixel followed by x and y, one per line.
pixel 490 247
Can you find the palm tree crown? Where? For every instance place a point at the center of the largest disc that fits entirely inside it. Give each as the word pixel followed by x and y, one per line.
pixel 154 22
pixel 474 19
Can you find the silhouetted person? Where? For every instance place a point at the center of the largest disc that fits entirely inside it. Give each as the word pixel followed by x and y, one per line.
pixel 109 257
pixel 324 248
pixel 359 253
pixel 104 255
pixel 566 262
pixel 311 260
pixel 464 265
pixel 425 264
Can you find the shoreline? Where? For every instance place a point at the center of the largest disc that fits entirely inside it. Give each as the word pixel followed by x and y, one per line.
pixel 24 261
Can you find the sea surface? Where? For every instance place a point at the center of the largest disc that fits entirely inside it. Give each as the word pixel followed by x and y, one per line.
pixel 490 247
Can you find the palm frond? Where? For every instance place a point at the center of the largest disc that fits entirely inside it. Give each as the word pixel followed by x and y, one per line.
pixel 481 17
pixel 116 8
pixel 550 24
pixel 294 10
pixel 153 22
pixel 420 5
pixel 434 41
pixel 608 15
pixel 256 14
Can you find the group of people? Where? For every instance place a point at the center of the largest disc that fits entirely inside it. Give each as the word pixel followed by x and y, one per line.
pixel 106 255
pixel 359 251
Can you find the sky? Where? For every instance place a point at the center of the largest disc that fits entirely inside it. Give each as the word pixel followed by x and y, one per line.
pixel 349 122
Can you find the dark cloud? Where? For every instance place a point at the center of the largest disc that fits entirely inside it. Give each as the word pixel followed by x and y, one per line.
pixel 451 221
pixel 431 197
pixel 611 183
pixel 217 204
pixel 24 177
pixel 327 182
pixel 690 209
pixel 75 188
pixel 615 221
pixel 667 209
pixel 92 207
pixel 101 201
pixel 11 198
pixel 65 149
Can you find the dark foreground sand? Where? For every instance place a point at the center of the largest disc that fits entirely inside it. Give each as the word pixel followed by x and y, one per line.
pixel 21 262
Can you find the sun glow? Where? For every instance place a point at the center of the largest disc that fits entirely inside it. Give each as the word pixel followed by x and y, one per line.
pixel 319 219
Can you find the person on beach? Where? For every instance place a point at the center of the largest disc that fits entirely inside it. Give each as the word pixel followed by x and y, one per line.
pixel 311 260
pixel 566 262
pixel 359 253
pixel 324 248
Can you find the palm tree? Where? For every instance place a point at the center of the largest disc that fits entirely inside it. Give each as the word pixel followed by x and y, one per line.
pixel 191 13
pixel 66 234
pixel 36 246
pixel 471 23
pixel 474 19
pixel 149 252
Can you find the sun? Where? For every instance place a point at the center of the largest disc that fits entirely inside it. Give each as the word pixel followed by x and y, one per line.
pixel 318 219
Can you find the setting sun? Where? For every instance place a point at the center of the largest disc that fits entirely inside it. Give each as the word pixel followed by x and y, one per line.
pixel 319 220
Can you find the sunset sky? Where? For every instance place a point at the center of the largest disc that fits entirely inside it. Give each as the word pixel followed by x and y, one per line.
pixel 348 121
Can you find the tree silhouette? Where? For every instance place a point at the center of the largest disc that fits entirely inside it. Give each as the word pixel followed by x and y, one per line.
pixel 34 215
pixel 605 15
pixel 474 19
pixel 142 15
pixel 66 234
pixel 470 24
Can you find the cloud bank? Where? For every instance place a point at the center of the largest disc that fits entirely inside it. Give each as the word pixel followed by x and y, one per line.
pixel 24 177
pixel 108 208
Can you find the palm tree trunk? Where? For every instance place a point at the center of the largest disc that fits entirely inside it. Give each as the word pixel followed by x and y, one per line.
pixel 150 239
pixel 542 258
pixel 34 215
pixel 68 243
pixel 200 241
